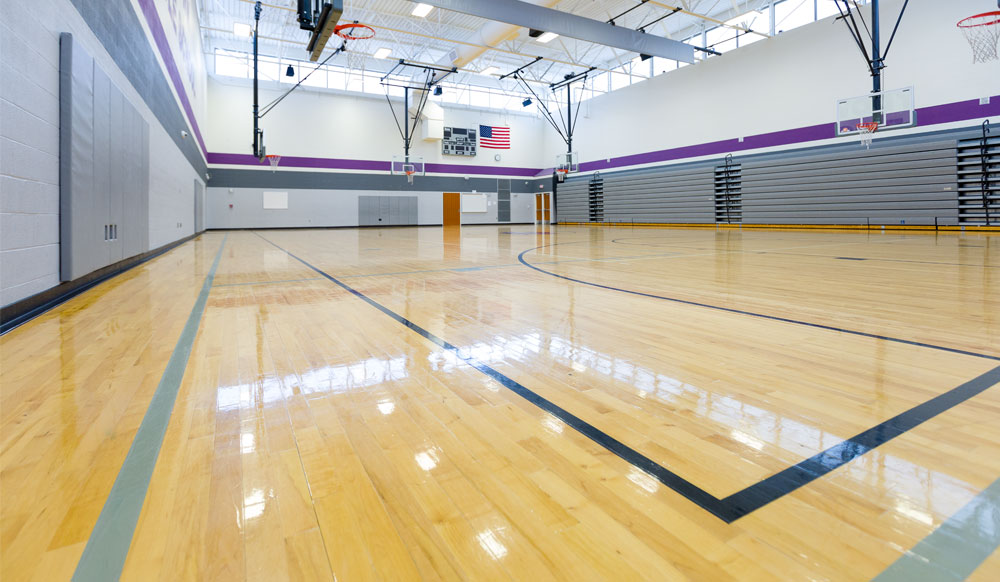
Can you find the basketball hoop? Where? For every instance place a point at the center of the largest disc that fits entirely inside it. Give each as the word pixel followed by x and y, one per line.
pixel 982 31
pixel 867 133
pixel 356 37
pixel 561 174
pixel 409 177
pixel 273 160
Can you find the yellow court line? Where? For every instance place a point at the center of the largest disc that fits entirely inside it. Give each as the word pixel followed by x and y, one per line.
pixel 949 228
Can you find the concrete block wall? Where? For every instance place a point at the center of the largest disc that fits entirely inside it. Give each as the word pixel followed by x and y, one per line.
pixel 315 207
pixel 29 154
pixel 29 131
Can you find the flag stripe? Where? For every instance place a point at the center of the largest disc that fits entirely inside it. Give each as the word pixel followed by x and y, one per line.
pixel 494 137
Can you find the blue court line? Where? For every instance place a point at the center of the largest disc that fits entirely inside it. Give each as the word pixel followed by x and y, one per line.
pixel 521 258
pixel 268 282
pixel 104 555
pixel 743 502
pixel 953 551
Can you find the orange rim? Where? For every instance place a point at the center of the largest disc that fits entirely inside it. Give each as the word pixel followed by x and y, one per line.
pixel 986 15
pixel 354 31
pixel 869 126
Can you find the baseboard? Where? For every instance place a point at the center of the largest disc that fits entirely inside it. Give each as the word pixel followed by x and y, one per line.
pixel 918 227
pixel 356 226
pixel 24 310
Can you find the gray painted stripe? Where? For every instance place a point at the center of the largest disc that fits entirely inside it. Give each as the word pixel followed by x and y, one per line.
pixel 306 180
pixel 104 556
pixel 956 548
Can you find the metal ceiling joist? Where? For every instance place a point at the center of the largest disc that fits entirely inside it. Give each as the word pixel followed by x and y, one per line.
pixel 571 25
pixel 682 10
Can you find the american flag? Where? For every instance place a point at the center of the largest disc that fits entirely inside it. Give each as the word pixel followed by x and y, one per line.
pixel 497 138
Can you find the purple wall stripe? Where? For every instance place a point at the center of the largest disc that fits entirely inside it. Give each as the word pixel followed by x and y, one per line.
pixel 156 28
pixel 481 170
pixel 937 114
pixel 368 165
pixel 298 162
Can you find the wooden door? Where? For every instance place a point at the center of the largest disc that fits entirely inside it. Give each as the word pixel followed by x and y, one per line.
pixel 451 211
pixel 542 210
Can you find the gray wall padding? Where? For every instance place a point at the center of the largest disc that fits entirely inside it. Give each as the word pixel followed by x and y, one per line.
pixel 103 168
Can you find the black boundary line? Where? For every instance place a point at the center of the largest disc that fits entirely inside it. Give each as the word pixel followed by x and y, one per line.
pixel 742 502
pixel 520 258
pixel 25 312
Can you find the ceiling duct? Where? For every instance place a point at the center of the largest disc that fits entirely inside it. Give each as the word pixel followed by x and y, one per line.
pixel 534 15
pixel 491 35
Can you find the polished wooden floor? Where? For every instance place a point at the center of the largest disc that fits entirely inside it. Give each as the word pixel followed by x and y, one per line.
pixel 315 437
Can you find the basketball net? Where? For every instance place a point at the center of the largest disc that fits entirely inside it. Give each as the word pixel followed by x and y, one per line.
pixel 983 33
pixel 273 160
pixel 867 133
pixel 357 54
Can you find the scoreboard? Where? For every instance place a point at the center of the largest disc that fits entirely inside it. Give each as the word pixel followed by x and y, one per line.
pixel 459 141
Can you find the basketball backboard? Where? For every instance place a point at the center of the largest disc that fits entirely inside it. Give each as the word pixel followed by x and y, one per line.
pixel 890 109
pixel 567 163
pixel 407 166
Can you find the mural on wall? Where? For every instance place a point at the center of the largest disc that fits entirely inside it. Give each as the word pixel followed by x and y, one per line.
pixel 184 34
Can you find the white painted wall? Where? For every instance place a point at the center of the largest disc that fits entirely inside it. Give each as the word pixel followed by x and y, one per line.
pixel 785 82
pixel 171 190
pixel 326 124
pixel 29 147
pixel 322 208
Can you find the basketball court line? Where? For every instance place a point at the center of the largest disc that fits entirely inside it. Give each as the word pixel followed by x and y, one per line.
pixel 743 502
pixel 534 266
pixel 107 546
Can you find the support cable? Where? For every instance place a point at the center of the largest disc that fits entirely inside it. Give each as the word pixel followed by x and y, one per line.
pixel 273 104
pixel 852 27
pixel 544 108
pixel 895 28
pixel 579 102
pixel 394 117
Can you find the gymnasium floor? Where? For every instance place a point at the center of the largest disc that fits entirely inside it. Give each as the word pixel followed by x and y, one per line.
pixel 513 402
